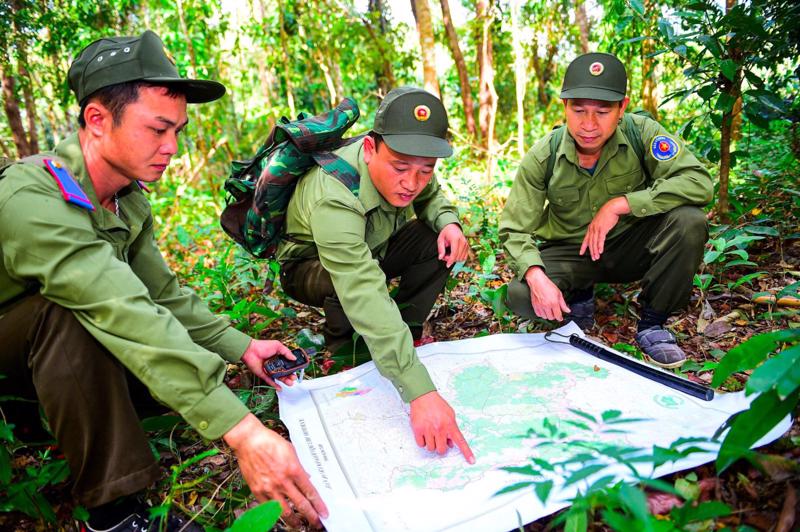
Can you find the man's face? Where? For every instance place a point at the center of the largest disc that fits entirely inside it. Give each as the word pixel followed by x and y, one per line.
pixel 398 178
pixel 141 145
pixel 592 122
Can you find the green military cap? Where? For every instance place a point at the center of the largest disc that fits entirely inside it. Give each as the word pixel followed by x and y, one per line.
pixel 115 60
pixel 413 121
pixel 595 76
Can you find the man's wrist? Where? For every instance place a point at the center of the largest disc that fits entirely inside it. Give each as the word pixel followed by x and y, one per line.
pixel 533 273
pixel 619 206
pixel 241 431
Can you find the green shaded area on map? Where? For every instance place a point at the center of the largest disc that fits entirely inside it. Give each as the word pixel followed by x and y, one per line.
pixel 495 411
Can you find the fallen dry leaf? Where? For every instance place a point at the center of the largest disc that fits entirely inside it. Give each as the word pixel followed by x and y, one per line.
pixel 787 517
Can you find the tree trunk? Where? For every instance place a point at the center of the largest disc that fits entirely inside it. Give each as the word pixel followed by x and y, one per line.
pixel 385 77
pixel 544 68
pixel 326 72
pixel 27 143
pixel 487 95
pixel 734 90
pixel 287 72
pixel 422 14
pixel 649 80
pixel 30 102
pixel 13 114
pixel 265 74
pixel 519 75
pixel 584 28
pixel 461 68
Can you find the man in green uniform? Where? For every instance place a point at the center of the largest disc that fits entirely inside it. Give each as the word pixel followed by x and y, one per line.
pixel 345 246
pixel 617 199
pixel 91 317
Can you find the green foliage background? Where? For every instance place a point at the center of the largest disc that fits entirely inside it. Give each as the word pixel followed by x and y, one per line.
pixel 277 57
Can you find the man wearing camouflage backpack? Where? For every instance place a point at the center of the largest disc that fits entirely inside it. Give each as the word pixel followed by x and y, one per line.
pixel 343 244
pixel 612 197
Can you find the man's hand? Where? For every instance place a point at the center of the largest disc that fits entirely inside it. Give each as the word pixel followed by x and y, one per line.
pixel 451 237
pixel 546 298
pixel 270 467
pixel 258 352
pixel 434 425
pixel 603 222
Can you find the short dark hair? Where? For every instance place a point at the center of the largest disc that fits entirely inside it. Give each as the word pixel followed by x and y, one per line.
pixel 377 138
pixel 117 97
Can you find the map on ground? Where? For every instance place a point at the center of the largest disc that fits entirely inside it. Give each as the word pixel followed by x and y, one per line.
pixel 352 432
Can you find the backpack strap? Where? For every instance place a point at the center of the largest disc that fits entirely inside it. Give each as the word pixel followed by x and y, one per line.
pixel 555 142
pixel 339 168
pixel 634 136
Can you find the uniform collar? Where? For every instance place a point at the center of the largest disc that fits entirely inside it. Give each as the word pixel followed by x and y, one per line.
pixel 69 151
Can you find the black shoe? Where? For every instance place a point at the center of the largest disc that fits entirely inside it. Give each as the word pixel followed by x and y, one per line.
pixel 139 522
pixel 582 313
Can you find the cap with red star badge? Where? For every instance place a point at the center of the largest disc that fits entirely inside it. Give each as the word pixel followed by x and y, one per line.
pixel 413 121
pixel 664 148
pixel 595 76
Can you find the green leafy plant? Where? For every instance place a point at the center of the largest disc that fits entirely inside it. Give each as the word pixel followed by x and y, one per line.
pixel 776 378
pixel 597 465
pixel 21 489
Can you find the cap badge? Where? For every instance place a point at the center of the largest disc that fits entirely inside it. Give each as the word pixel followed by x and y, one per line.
pixel 596 68
pixel 422 113
pixel 169 55
pixel 664 148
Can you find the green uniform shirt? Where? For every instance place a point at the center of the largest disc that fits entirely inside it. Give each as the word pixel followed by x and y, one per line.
pixel 350 234
pixel 563 209
pixel 109 272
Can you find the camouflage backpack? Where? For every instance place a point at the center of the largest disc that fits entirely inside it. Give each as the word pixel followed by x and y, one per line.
pixel 259 189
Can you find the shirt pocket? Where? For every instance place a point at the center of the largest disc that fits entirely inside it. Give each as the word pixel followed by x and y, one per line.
pixel 563 197
pixel 623 184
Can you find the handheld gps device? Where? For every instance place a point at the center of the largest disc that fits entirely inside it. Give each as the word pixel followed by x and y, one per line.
pixel 280 366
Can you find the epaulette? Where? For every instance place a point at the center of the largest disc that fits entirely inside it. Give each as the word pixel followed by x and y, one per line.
pixel 70 189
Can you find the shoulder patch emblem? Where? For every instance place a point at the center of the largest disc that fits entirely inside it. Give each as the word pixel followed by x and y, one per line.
pixel 70 188
pixel 664 148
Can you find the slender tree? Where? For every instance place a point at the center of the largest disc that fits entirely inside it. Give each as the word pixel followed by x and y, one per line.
pixel 26 142
pixel 649 78
pixel 422 14
pixel 584 26
pixel 461 68
pixel 520 76
pixel 487 95
pixel 287 71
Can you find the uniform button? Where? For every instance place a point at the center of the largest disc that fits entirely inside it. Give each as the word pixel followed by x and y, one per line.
pixel 644 211
pixel 400 389
pixel 203 425
pixel 629 188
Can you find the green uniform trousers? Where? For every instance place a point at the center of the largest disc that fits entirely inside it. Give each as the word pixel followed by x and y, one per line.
pixel 412 255
pixel 662 251
pixel 90 400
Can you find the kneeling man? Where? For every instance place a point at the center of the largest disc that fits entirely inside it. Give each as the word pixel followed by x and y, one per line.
pixel 616 199
pixel 343 247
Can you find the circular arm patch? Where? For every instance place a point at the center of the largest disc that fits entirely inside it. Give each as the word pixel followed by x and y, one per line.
pixel 664 148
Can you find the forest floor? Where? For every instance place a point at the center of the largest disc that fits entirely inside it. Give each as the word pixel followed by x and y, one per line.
pixel 763 497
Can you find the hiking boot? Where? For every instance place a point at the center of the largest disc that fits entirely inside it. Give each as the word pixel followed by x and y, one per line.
pixel 660 347
pixel 582 313
pixel 139 522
